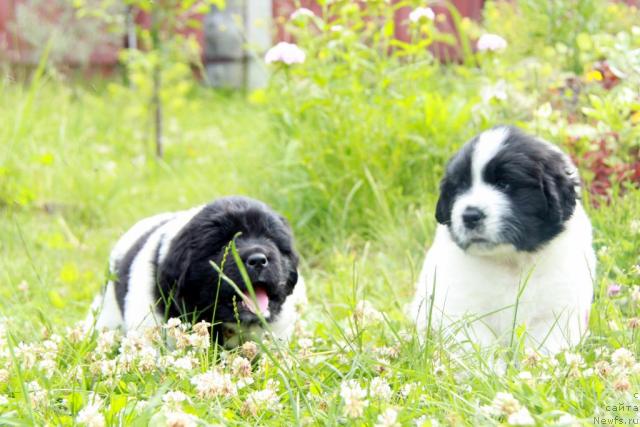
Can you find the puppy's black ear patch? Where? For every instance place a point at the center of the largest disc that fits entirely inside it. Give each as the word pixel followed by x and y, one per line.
pixel 292 279
pixel 443 207
pixel 443 211
pixel 559 187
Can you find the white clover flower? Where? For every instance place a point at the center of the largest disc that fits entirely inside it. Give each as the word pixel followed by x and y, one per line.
pixel 504 404
pixel 406 389
pixel 199 341
pixel 634 226
pixel 337 28
pixel 497 91
pixel 491 42
pixel 241 367
pixel 635 294
pixel 147 359
pixel 420 13
pixel 4 375
pixel 213 383
pixel 302 12
pixel 91 416
pixel 76 333
pixel 48 366
pixel 173 399
pixel 185 363
pixel 27 354
pixel 573 360
pixel 525 376
pixel 172 323
pixel 266 400
pixel 622 384
pixel 202 328
pixel 354 398
pixel 4 400
pixel 379 389
pixel 521 417
pixel 305 343
pixel 388 418
pixel 531 357
pixel 107 340
pixel 623 358
pixel 366 314
pixel 180 419
pixel 287 53
pixel 387 352
pixel 249 350
pixel 37 395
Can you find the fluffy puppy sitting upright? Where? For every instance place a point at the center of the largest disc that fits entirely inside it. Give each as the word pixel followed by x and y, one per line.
pixel 513 246
pixel 161 268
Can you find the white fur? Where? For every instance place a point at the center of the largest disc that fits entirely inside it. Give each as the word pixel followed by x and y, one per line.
pixel 475 292
pixel 140 308
pixel 481 195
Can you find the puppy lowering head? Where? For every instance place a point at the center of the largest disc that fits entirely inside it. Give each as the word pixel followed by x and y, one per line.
pixel 506 192
pixel 191 286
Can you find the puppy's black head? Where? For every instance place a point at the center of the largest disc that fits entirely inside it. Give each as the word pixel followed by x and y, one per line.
pixel 507 189
pixel 191 285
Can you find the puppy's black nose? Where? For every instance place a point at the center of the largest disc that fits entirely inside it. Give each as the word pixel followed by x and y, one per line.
pixel 472 217
pixel 257 260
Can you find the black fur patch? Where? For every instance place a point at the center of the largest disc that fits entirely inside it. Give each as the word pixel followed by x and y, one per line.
pixel 189 286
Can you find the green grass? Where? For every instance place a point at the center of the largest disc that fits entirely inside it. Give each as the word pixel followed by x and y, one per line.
pixel 350 147
pixel 82 181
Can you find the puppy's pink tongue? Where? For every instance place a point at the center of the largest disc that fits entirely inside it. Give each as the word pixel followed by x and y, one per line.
pixel 261 298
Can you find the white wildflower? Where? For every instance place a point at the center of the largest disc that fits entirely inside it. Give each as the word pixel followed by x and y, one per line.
pixel 172 323
pixel 406 389
pixel 4 375
pixel 249 349
pixel 173 399
pixel 354 398
pixel 388 418
pixel 91 416
pixel 521 417
pixel 365 313
pixel 302 12
pixel 213 383
pixel 265 400
pixel 623 358
pixel 504 404
pixel 241 367
pixel 420 13
pixel 379 389
pixel 37 395
pixel 287 53
pixel 180 419
pixel 491 42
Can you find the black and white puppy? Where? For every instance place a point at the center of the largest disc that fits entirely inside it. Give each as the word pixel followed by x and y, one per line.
pixel 513 246
pixel 161 268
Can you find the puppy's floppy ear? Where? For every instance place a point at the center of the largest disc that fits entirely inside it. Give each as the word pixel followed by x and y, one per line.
pixel 559 186
pixel 292 279
pixel 443 207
